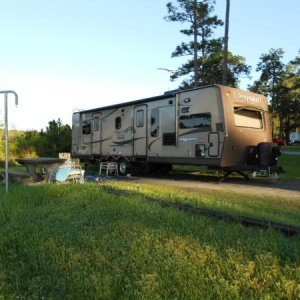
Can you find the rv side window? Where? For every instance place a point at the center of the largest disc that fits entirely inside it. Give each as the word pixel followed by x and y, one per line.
pixel 86 128
pixel 96 124
pixel 140 118
pixel 247 118
pixel 155 122
pixel 195 121
pixel 118 123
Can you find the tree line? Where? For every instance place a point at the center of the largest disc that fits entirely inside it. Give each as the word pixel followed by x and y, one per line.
pixel 44 143
pixel 280 83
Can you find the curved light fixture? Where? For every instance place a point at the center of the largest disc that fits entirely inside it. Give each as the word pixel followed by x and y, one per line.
pixel 6 131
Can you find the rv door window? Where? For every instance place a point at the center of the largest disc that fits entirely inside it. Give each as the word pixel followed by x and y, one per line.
pixel 118 123
pixel 155 122
pixel 248 118
pixel 195 121
pixel 86 128
pixel 140 118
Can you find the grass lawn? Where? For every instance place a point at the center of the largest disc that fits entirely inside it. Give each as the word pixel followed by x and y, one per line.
pixel 295 147
pixel 75 241
pixel 291 166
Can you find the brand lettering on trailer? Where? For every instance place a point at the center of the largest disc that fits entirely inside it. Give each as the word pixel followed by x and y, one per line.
pixel 246 98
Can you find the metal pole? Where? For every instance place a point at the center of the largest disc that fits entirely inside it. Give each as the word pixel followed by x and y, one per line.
pixel 225 58
pixel 6 132
pixel 6 141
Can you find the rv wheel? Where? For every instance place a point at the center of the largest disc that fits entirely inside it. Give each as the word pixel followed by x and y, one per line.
pixel 123 167
pixel 266 154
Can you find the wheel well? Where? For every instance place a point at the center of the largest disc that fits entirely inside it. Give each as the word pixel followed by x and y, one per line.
pixel 123 158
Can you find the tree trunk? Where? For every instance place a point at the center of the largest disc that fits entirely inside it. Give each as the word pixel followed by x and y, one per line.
pixel 196 79
pixel 225 60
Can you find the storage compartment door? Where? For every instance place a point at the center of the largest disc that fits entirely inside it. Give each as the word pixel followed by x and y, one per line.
pixel 213 144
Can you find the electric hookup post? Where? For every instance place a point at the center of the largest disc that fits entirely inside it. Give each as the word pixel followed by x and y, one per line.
pixel 6 132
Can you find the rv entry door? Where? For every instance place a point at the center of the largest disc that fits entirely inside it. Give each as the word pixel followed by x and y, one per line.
pixel 140 130
pixel 213 144
pixel 96 134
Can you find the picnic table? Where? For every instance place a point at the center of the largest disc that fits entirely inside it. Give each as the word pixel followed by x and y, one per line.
pixel 47 163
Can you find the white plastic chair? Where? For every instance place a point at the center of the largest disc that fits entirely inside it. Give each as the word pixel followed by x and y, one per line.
pixel 110 168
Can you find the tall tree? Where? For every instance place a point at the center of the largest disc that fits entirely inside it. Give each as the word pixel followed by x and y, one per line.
pixel 290 104
pixel 270 81
pixel 280 83
pixel 206 65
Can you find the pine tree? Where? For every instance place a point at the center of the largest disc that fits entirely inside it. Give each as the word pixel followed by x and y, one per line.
pixel 206 65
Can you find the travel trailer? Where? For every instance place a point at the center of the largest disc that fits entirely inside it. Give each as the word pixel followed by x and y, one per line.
pixel 215 126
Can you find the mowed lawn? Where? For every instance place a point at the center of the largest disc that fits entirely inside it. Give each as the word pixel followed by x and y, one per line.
pixel 290 164
pixel 73 241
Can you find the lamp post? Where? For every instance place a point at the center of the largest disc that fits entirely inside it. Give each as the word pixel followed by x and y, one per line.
pixel 6 132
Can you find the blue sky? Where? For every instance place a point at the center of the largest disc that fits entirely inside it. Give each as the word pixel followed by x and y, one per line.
pixel 61 55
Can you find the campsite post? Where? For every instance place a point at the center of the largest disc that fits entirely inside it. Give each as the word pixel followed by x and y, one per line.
pixel 6 132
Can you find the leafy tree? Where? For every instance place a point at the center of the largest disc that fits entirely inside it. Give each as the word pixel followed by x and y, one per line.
pixel 28 143
pixel 270 81
pixel 56 138
pixel 13 136
pixel 206 65
pixel 280 83
pixel 290 104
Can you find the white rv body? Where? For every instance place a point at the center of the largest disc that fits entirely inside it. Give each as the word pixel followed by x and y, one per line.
pixel 209 126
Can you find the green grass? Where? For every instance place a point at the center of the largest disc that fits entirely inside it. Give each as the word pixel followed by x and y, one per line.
pixel 292 148
pixel 291 166
pixel 78 242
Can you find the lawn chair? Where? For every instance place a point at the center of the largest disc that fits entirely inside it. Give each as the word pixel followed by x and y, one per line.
pixel 109 168
pixel 69 171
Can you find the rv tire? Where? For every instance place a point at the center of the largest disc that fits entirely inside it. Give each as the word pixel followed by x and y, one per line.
pixel 266 154
pixel 123 167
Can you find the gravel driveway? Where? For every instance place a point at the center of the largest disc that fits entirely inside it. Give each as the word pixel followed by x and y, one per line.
pixel 271 187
